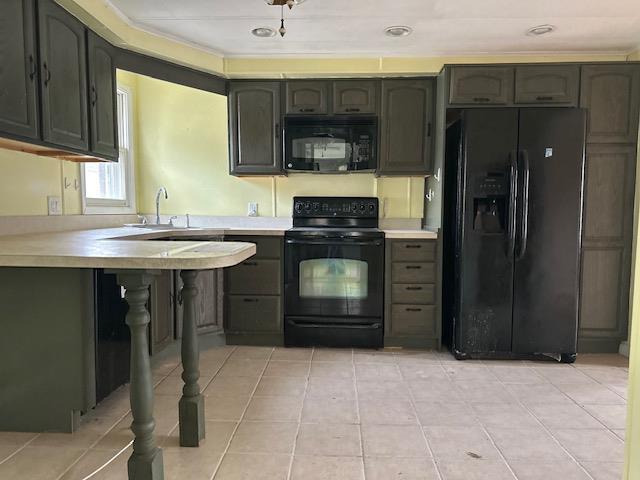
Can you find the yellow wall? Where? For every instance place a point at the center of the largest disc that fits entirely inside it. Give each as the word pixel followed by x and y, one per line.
pixel 181 140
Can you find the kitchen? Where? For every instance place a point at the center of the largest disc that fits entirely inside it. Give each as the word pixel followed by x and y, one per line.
pixel 218 143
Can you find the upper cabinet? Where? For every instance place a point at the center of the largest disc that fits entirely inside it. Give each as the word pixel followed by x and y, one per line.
pixel 547 84
pixel 102 97
pixel 405 127
pixel 63 77
pixel 254 128
pixel 355 96
pixel 611 94
pixel 19 71
pixel 481 85
pixel 307 97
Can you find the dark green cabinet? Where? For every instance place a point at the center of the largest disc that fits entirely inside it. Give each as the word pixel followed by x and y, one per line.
pixel 160 305
pixel 355 96
pixel 547 84
pixel 307 97
pixel 481 85
pixel 405 127
pixel 254 128
pixel 611 93
pixel 208 302
pixel 102 97
pixel 18 73
pixel 63 77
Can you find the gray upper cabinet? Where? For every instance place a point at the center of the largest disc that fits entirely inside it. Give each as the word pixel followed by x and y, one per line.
pixel 612 94
pixel 552 84
pixel 18 75
pixel 63 77
pixel 102 97
pixel 405 127
pixel 307 97
pixel 481 85
pixel 355 96
pixel 254 128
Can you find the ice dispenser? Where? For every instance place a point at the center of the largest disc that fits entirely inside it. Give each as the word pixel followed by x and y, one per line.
pixel 490 200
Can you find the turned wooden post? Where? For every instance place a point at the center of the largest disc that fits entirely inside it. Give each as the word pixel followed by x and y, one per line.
pixel 191 406
pixel 145 462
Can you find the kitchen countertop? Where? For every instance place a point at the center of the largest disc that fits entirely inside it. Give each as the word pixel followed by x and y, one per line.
pixel 410 234
pixel 122 248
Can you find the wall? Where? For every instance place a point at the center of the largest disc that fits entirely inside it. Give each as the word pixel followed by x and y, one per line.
pixel 182 144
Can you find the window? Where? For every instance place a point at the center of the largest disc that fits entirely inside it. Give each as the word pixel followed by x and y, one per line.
pixel 109 187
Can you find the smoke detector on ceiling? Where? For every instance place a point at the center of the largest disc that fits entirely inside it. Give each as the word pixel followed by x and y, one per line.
pixel 540 30
pixel 398 31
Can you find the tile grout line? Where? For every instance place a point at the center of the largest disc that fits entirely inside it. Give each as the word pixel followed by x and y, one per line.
pixel 358 418
pixel 26 444
pixel 304 397
pixel 244 411
pixel 545 428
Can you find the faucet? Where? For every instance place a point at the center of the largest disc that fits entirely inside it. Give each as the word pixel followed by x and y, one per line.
pixel 161 190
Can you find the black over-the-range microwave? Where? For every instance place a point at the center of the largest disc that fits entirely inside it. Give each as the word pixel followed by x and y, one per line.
pixel 330 144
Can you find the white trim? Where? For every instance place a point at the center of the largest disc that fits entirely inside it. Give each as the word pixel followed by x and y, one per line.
pixel 104 206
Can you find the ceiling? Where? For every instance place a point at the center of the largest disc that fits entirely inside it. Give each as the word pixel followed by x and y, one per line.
pixel 355 27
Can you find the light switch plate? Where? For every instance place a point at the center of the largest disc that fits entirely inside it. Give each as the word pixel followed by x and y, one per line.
pixel 252 209
pixel 54 205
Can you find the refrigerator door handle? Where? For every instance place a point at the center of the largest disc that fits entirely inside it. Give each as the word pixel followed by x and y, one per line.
pixel 513 193
pixel 524 220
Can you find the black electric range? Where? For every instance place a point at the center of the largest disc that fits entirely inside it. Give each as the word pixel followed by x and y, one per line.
pixel 334 273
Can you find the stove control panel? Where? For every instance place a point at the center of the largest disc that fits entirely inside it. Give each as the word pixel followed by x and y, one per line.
pixel 339 207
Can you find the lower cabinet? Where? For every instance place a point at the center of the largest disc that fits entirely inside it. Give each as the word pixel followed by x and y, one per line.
pixel 160 305
pixel 253 295
pixel 209 302
pixel 411 313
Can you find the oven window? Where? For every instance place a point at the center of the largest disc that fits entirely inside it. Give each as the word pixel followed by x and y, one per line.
pixel 334 278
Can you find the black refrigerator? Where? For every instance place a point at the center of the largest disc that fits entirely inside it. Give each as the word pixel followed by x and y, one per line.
pixel 512 230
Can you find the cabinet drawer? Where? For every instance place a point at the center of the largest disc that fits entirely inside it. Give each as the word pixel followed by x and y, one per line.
pixel 254 277
pixel 413 320
pixel 413 293
pixel 416 251
pixel 404 272
pixel 266 247
pixel 253 313
pixel 481 85
pixel 547 84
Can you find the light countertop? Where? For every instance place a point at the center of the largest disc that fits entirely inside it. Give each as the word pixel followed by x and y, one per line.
pixel 122 248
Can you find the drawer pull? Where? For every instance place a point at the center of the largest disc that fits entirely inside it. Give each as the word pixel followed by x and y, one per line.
pixel 250 300
pixel 413 246
pixel 413 309
pixel 307 110
pixel 250 264
pixel 350 110
pixel 481 99
pixel 414 288
pixel 413 267
pixel 544 99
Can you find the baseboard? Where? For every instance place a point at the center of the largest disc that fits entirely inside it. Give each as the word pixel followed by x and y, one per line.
pixel 624 349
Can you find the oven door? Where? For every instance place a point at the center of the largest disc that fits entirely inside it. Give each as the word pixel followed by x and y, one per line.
pixel 334 277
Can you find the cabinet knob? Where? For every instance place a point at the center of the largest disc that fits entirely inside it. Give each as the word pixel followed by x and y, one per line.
pixel 414 288
pixel 94 96
pixel 413 267
pixel 413 246
pixel 47 74
pixel 32 68
pixel 409 309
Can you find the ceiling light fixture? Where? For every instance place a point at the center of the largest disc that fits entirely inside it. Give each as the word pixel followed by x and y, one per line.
pixel 280 3
pixel 398 31
pixel 540 30
pixel 263 32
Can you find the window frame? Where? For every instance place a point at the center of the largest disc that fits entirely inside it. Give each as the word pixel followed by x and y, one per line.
pixel 92 206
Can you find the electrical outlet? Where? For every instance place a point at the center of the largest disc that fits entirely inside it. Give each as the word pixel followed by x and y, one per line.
pixel 252 209
pixel 54 205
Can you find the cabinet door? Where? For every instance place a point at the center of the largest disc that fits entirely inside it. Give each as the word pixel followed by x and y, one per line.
pixel 355 96
pixel 209 302
pixel 307 97
pixel 102 98
pixel 606 246
pixel 481 85
pixel 161 311
pixel 405 130
pixel 254 128
pixel 612 95
pixel 63 77
pixel 548 84
pixel 18 73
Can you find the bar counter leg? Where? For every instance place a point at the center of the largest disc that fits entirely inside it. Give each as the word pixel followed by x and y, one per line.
pixel 191 406
pixel 146 461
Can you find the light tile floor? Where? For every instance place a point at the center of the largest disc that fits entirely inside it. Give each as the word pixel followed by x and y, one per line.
pixel 305 414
